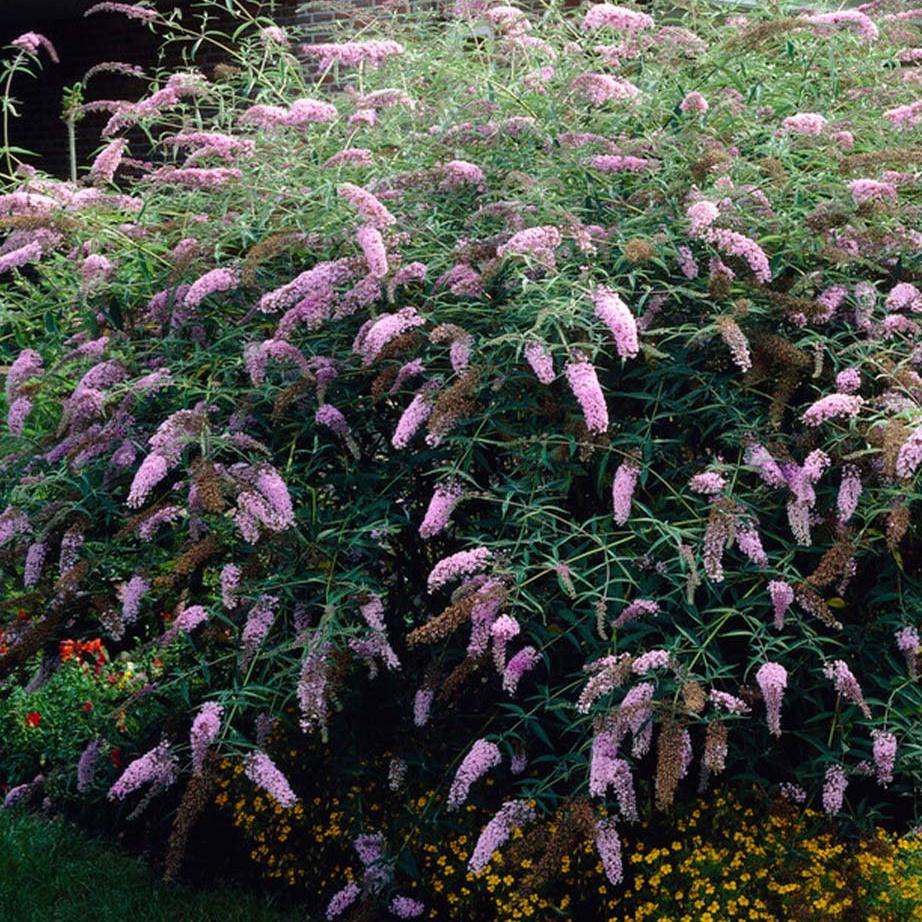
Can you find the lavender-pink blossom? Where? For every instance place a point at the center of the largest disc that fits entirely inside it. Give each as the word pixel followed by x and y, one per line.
pixel 772 679
pixel 782 595
pixel 834 789
pixel 370 209
pixel 444 499
pixel 584 382
pixel 884 749
pixel 205 729
pixel 616 315
pixel 157 766
pixel 483 756
pixel 541 362
pixel 372 243
pixel 622 490
pixel 462 563
pixel 638 608
pixel 833 406
pixel 909 456
pixel 652 659
pixel 608 845
pixel 907 642
pixel 512 815
pixel 846 684
pixel 524 661
pixel 264 773
pixel 342 900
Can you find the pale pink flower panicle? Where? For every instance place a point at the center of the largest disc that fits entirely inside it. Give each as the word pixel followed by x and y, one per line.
pixel 461 173
pixel 652 659
pixel 772 679
pixel 832 406
pixel 342 900
pixel 517 666
pixel 727 702
pixel 138 11
pixel 615 314
pixel 805 123
pixel 372 243
pixel 32 42
pixel 846 684
pixel 538 242
pixel 584 382
pixel 512 815
pixel 264 773
pixel 444 499
pixel 609 16
pixel 108 161
pixel 884 749
pixel 848 381
pixel 694 102
pixel 370 209
pixel 834 789
pixel 620 163
pixel 372 52
pixel 608 845
pixel 907 116
pixel 157 767
pixel 213 282
pixel 461 564
pixel 205 730
pixel 854 19
pixel 904 296
pixel 909 457
pixel 907 642
pixel 708 483
pixel 866 191
pixel 849 492
pixel 377 333
pixel 701 216
pixel 782 595
pixel 599 89
pixel 417 412
pixel 184 623
pixel 541 362
pixel 622 490
pixel 482 757
pixel 637 609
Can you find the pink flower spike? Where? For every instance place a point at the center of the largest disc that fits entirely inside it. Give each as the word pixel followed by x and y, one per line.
pixel 616 315
pixel 772 679
pixel 583 381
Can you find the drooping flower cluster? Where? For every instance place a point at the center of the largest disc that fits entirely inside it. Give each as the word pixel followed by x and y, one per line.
pixel 157 767
pixel 483 756
pixel 772 679
pixel 205 730
pixel 264 773
pixel 512 815
pixel 463 563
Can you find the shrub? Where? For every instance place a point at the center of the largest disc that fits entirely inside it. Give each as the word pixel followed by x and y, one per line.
pixel 510 389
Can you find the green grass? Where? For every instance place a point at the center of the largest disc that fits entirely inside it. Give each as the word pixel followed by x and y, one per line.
pixel 51 872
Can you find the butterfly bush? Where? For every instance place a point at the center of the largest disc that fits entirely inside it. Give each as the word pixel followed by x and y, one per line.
pixel 566 363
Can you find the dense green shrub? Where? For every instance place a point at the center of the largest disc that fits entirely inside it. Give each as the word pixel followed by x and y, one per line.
pixel 556 374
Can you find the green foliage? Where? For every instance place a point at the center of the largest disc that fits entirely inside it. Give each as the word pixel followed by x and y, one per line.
pixel 167 439
pixel 50 872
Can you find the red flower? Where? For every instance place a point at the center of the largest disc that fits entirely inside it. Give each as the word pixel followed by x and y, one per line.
pixel 87 706
pixel 115 757
pixel 33 718
pixel 22 614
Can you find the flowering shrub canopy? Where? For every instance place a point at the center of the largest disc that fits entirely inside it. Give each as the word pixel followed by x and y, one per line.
pixel 558 407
